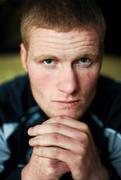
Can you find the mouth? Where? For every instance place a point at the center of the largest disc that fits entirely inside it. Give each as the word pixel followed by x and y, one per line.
pixel 67 104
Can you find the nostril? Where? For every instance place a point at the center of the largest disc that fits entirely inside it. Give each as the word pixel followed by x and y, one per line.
pixel 68 84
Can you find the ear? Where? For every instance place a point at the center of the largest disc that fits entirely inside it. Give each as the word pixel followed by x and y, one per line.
pixel 23 56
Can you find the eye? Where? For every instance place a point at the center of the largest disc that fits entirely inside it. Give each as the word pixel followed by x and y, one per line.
pixel 48 61
pixel 84 62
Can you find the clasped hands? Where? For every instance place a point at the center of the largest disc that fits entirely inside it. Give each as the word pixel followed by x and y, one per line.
pixel 61 145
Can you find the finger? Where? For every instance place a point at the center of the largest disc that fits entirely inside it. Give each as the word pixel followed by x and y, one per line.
pixel 57 140
pixel 72 160
pixel 54 153
pixel 52 158
pixel 81 126
pixel 56 128
pixel 69 122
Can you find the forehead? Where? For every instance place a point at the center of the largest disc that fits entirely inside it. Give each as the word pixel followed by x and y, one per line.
pixel 46 39
pixel 73 35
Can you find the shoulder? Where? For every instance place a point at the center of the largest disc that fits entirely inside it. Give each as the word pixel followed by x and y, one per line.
pixel 105 122
pixel 15 97
pixel 108 90
pixel 107 102
pixel 108 84
pixel 11 90
pixel 18 81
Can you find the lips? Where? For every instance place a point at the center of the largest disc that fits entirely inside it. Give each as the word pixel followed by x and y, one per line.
pixel 63 101
pixel 67 104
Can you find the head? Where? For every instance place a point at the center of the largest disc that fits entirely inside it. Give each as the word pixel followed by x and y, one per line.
pixel 62 52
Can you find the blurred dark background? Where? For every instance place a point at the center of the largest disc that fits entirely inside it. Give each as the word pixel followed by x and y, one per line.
pixel 10 12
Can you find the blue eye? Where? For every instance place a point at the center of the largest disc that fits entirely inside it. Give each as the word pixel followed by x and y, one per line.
pixel 48 61
pixel 84 60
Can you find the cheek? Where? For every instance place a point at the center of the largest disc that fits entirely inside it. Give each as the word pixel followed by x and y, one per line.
pixel 40 81
pixel 92 79
pixel 89 83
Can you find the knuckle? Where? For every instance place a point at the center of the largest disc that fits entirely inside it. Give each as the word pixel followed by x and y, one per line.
pixel 37 151
pixel 83 139
pixel 55 152
pixel 51 170
pixel 79 136
pixel 56 126
pixel 55 137
pixel 83 153
pixel 85 127
pixel 83 149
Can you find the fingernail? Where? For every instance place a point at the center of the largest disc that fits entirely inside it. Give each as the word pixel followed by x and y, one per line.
pixel 29 130
pixel 30 141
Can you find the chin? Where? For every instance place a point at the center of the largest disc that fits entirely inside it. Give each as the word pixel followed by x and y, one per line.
pixel 71 115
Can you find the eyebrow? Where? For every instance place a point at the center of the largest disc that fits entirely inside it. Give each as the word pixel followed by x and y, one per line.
pixel 47 56
pixel 41 57
pixel 92 55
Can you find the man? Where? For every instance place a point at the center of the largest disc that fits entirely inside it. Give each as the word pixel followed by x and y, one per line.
pixel 72 116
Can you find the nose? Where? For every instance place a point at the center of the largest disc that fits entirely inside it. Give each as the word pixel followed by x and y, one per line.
pixel 68 81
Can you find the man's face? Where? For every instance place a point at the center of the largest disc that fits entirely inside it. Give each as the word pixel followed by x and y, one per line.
pixel 63 68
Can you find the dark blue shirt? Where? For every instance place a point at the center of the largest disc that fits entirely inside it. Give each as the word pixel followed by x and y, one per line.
pixel 19 111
